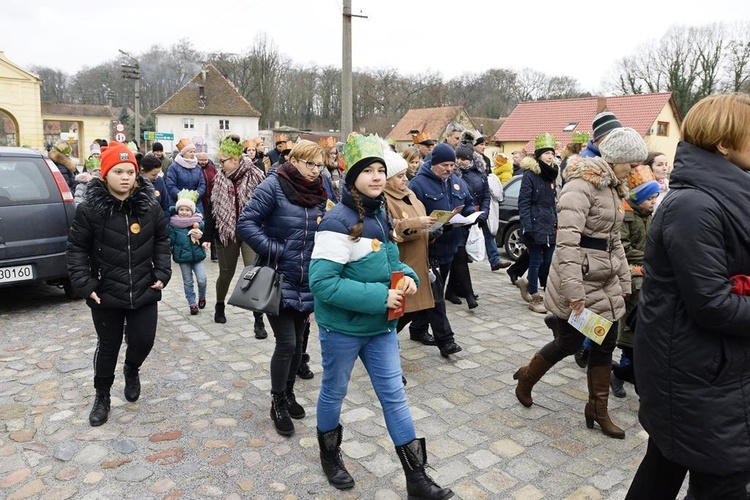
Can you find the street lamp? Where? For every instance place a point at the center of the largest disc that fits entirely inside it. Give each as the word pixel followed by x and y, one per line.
pixel 133 72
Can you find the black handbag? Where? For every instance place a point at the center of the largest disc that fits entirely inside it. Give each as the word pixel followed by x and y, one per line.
pixel 259 288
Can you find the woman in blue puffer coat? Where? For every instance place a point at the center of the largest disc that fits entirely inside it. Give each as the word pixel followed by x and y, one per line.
pixel 279 222
pixel 538 214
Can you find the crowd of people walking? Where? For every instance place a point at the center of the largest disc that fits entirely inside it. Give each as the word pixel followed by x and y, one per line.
pixel 659 254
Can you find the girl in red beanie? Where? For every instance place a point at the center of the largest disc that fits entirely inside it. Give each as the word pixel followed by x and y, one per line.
pixel 118 256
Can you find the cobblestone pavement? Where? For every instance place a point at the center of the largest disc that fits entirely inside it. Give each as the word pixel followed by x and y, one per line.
pixel 202 428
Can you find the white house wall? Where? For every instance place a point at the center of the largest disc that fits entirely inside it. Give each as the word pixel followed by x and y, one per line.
pixel 206 126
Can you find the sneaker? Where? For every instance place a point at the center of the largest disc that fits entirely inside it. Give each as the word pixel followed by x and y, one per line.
pixel 201 302
pixel 449 349
pixel 523 286
pixel 536 304
pixel 193 309
pixel 617 385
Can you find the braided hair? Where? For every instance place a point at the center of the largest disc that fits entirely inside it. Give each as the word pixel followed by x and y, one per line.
pixel 355 233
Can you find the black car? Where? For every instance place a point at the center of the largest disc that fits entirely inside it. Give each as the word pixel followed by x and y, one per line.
pixel 509 229
pixel 36 212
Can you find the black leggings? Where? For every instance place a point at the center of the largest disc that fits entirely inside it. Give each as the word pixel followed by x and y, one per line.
pixel 435 317
pixel 569 341
pixel 658 478
pixel 289 330
pixel 109 325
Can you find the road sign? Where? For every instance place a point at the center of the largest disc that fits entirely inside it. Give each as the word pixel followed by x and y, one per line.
pixel 120 127
pixel 158 136
pixel 120 137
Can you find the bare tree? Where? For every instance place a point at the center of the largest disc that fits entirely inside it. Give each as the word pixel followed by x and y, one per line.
pixel 737 57
pixel 54 83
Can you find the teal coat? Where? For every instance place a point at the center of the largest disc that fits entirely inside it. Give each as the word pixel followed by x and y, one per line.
pixel 184 251
pixel 350 279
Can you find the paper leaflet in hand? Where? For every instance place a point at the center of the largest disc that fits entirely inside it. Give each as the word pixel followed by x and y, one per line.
pixel 591 325
pixel 397 283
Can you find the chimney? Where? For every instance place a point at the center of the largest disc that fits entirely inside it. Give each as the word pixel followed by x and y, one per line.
pixel 201 96
pixel 601 104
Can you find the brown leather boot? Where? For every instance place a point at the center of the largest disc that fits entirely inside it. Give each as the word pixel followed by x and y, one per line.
pixel 596 408
pixel 529 375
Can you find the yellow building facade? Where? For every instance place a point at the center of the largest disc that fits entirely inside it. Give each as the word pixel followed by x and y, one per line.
pixel 20 106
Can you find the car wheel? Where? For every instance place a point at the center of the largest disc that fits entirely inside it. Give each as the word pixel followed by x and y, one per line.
pixel 513 245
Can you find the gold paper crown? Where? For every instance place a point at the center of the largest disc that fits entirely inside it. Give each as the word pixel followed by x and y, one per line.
pixel 545 141
pixel 328 142
pixel 420 137
pixel 256 141
pixel 247 143
pixel 281 138
pixel 580 138
pixel 359 147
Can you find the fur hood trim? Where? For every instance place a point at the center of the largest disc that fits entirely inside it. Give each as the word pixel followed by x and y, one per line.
pixel 596 172
pixel 529 163
pixel 101 201
pixel 63 160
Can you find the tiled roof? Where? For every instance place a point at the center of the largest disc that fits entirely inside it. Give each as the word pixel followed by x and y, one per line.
pixel 432 120
pixel 532 118
pixel 221 98
pixel 56 108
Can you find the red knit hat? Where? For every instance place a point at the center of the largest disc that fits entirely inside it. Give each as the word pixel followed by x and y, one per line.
pixel 115 154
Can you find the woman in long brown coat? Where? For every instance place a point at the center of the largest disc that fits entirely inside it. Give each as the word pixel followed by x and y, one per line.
pixel 589 268
pixel 410 224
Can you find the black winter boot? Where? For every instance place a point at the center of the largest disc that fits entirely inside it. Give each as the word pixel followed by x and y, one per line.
pixel 100 410
pixel 331 461
pixel 304 367
pixel 219 313
pixel 419 485
pixel 280 414
pixel 293 407
pixel 132 383
pixel 259 328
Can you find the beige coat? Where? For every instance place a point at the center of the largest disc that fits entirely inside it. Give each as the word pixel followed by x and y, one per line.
pixel 405 209
pixel 591 204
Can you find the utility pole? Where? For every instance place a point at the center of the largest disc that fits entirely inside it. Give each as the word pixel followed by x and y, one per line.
pixel 133 72
pixel 346 71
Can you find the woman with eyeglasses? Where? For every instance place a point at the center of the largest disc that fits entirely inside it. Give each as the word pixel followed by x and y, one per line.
pixel 331 170
pixel 279 223
pixel 234 184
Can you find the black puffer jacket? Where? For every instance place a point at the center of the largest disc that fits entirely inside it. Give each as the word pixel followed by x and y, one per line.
pixel 692 340
pixel 119 248
pixel 537 210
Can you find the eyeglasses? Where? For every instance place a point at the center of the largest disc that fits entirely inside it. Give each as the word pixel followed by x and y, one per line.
pixel 311 164
pixel 225 159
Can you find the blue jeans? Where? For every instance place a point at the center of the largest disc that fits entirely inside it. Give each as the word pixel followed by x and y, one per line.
pixel 493 255
pixel 187 270
pixel 540 258
pixel 379 355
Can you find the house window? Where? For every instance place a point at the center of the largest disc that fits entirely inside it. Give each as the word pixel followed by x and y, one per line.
pixel 223 124
pixel 571 126
pixel 188 123
pixel 662 128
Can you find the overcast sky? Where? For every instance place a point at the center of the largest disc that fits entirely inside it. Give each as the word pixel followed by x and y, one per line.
pixel 412 37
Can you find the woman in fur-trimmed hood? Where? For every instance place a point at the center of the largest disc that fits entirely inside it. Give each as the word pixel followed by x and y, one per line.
pixel 538 216
pixel 589 268
pixel 60 154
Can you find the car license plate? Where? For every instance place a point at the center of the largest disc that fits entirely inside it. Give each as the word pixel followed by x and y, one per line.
pixel 16 273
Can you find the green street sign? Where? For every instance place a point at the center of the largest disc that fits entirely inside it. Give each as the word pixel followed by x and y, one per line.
pixel 158 136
